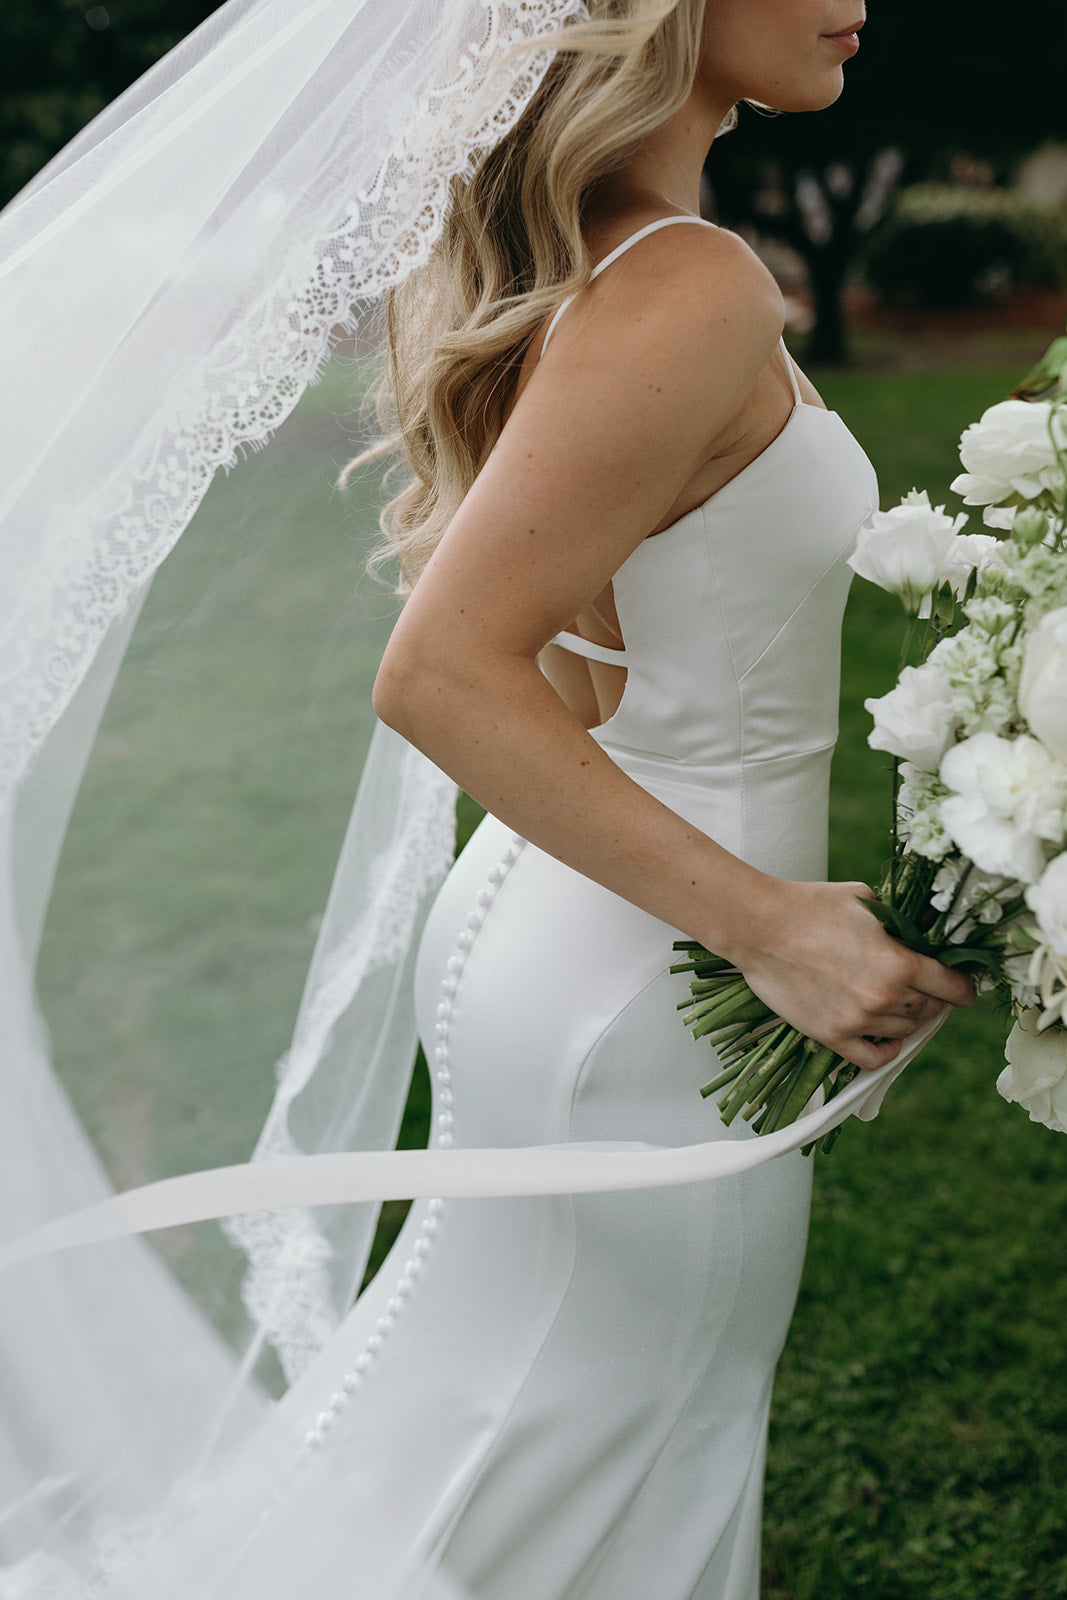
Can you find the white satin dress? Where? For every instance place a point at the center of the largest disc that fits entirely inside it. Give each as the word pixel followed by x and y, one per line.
pixel 567 1398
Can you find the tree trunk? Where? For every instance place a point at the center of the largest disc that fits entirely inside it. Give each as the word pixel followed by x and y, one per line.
pixel 827 344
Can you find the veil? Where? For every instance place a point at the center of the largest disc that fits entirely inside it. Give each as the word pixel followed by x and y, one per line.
pixel 169 287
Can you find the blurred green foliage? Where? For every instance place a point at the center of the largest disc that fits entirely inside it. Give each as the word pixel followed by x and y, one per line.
pixel 948 246
pixel 64 60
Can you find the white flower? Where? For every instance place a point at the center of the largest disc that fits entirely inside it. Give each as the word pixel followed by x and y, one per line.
pixel 1047 899
pixel 907 550
pixel 966 552
pixel 1009 797
pixel 970 550
pixel 982 672
pixel 980 900
pixel 1009 452
pixel 989 613
pixel 1036 1074
pixel 1000 517
pixel 1039 573
pixel 915 720
pixel 919 812
pixel 1043 683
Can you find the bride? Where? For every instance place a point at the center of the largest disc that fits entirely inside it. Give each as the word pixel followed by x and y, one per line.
pixel 624 542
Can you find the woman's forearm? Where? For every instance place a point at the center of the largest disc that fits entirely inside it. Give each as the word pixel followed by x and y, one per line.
pixel 809 950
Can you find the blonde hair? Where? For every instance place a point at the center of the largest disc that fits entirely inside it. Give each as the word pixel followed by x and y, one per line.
pixel 512 249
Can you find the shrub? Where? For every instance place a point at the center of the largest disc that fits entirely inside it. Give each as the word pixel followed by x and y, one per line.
pixel 945 246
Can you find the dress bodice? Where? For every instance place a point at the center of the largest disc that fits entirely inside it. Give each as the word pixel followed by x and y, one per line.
pixel 731 616
pixel 731 620
pixel 731 624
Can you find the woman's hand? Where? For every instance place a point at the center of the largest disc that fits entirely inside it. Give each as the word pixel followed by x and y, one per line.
pixel 825 964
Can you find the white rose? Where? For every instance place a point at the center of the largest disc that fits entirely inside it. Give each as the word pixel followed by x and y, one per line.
pixel 1000 517
pixel 970 550
pixel 1036 1074
pixel 1009 797
pixel 907 550
pixel 1047 899
pixel 915 720
pixel 1043 684
pixel 966 552
pixel 1009 452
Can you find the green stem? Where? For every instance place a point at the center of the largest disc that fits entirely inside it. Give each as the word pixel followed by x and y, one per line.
pixel 822 1061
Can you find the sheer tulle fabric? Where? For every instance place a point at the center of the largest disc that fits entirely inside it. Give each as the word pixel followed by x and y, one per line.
pixel 169 285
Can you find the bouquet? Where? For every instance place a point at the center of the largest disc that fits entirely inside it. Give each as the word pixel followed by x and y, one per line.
pixel 977 727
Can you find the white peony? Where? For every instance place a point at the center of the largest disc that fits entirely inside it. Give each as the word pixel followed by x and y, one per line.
pixel 1036 1074
pixel 1043 683
pixel 915 720
pixel 907 550
pixel 1009 796
pixel 1009 452
pixel 1047 899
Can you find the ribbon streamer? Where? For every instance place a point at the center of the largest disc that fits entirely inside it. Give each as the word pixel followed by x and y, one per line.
pixel 343 1179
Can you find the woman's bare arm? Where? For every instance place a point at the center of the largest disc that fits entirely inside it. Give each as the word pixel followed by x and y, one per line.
pixel 614 422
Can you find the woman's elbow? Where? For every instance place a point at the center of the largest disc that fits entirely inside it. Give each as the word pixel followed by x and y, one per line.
pixel 391 696
pixel 408 690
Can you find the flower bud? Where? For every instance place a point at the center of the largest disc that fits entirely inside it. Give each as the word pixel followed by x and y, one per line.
pixel 1029 527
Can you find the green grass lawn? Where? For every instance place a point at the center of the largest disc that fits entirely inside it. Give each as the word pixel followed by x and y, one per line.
pixel 918 1445
pixel 918 1448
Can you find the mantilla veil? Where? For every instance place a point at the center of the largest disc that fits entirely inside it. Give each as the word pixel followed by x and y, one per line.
pixel 169 286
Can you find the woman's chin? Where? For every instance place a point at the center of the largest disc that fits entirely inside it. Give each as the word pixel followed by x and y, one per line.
pixel 813 97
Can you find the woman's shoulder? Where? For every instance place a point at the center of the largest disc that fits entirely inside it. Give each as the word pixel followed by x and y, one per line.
pixel 697 274
pixel 684 300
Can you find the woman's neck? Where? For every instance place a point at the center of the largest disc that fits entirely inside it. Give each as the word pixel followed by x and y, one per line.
pixel 666 169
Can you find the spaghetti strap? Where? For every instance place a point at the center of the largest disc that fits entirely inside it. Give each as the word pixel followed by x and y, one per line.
pixel 613 256
pixel 792 371
pixel 608 654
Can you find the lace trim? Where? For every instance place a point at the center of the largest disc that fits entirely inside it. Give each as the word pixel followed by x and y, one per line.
pixel 104 552
pixel 289 1290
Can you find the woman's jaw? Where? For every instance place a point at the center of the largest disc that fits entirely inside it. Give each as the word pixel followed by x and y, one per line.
pixel 786 54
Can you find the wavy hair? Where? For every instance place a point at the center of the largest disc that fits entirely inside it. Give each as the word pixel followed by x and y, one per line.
pixel 512 249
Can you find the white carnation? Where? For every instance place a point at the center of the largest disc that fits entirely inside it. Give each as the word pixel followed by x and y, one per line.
pixel 1009 452
pixel 1043 682
pixel 1036 1074
pixel 915 720
pixel 1009 796
pixel 1047 899
pixel 907 550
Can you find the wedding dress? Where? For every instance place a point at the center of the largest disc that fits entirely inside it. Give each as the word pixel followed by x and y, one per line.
pixel 566 1397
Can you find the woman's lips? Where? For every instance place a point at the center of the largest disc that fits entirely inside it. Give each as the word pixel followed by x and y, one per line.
pixel 848 41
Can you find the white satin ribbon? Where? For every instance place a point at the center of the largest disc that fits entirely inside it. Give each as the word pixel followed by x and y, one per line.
pixel 342 1179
